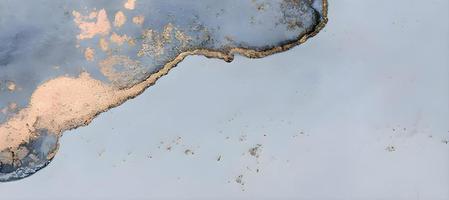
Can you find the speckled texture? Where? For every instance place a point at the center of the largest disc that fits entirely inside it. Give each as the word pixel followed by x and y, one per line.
pixel 59 72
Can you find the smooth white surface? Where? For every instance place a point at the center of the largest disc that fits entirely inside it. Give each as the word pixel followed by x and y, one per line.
pixel 378 76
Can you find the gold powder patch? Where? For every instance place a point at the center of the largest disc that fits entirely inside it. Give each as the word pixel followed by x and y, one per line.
pixel 120 19
pixel 130 4
pixel 119 39
pixel 104 45
pixel 89 28
pixel 89 54
pixel 138 19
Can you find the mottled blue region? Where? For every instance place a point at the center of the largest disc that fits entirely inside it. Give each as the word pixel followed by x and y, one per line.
pixel 36 36
pixel 38 152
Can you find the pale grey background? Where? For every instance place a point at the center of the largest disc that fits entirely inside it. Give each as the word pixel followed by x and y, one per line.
pixel 378 76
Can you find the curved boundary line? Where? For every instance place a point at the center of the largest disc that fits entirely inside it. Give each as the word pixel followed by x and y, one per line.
pixel 227 56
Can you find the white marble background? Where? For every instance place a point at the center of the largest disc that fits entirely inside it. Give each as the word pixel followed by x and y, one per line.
pixel 359 112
